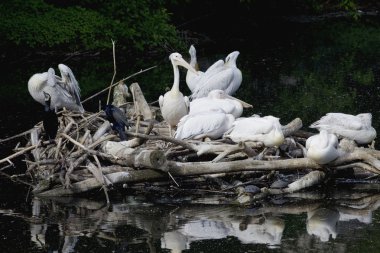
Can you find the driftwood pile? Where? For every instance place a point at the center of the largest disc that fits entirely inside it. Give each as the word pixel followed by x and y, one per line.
pixel 88 155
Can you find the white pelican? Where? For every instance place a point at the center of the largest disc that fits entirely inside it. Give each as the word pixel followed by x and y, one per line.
pixel 218 99
pixel 357 128
pixel 220 76
pixel 192 78
pixel 64 91
pixel 322 147
pixel 173 104
pixel 266 130
pixel 212 124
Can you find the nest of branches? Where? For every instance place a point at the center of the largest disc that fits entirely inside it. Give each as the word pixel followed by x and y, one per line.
pixel 88 155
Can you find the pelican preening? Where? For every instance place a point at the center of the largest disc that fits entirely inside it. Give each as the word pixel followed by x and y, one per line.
pixel 322 147
pixel 212 124
pixel 50 119
pixel 173 104
pixel 64 91
pixel 266 130
pixel 218 99
pixel 358 128
pixel 118 119
pixel 222 76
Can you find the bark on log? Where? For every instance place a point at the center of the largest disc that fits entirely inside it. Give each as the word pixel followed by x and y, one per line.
pixel 292 127
pixel 200 168
pixel 138 158
pixel 141 106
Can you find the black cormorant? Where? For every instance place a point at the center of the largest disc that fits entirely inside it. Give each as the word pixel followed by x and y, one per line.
pixel 50 120
pixel 118 119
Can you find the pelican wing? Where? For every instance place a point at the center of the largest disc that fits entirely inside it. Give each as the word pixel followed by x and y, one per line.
pixel 235 82
pixel 203 123
pixel 70 82
pixel 215 68
pixel 216 81
pixel 187 102
pixel 309 141
pixel 253 125
pixel 51 78
pixel 332 120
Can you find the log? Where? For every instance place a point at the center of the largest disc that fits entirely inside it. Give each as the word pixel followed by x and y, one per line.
pixel 114 178
pixel 310 179
pixel 138 158
pixel 201 168
pixel 141 106
pixel 183 169
pixel 292 127
pixel 104 128
pixel 120 94
pixel 34 139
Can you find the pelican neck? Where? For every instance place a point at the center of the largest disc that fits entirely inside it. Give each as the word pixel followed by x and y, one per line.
pixel 176 78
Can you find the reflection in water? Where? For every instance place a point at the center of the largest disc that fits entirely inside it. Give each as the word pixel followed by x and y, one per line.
pixel 67 224
pixel 322 223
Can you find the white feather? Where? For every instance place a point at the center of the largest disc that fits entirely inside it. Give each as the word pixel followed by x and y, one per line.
pixel 217 99
pixel 64 91
pixel 357 128
pixel 225 77
pixel 212 124
pixel 322 147
pixel 266 130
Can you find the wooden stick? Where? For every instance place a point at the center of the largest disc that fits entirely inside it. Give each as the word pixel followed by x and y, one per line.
pixel 16 136
pixel 6 159
pixel 16 179
pixel 114 71
pixel 126 78
pixel 164 138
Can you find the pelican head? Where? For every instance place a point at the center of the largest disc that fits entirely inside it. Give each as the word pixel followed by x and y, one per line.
pixel 322 147
pixel 177 60
pixel 217 94
pixel 193 58
pixel 231 58
pixel 46 96
pixel 221 94
pixel 366 118
pixel 47 99
pixel 192 51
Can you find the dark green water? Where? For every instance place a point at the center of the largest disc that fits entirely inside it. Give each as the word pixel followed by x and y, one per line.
pixel 290 69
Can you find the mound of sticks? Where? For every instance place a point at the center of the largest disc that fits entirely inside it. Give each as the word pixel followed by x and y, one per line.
pixel 88 155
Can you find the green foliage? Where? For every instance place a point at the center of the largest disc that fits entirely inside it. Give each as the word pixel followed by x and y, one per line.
pixel 87 25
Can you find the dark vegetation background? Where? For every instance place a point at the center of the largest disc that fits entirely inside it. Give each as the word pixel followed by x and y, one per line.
pixel 38 34
pixel 54 27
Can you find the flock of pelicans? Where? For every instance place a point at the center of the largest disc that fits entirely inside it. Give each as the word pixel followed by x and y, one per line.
pixel 210 112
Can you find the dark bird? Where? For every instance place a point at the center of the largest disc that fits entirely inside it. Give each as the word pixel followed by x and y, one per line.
pixel 50 119
pixel 118 119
